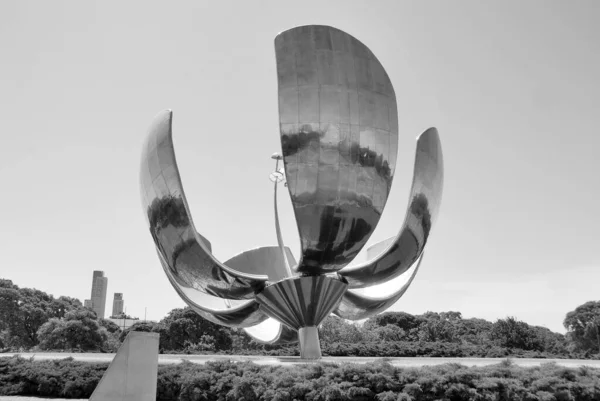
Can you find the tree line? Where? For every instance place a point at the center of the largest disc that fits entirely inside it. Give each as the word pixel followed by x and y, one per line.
pixel 33 320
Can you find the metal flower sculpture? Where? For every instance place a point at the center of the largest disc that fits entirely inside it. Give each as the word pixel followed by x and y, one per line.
pixel 339 138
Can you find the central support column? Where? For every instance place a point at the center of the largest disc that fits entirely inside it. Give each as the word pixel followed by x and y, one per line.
pixel 301 303
pixel 310 348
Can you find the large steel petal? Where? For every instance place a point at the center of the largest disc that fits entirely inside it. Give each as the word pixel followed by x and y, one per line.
pixel 339 136
pixel 188 259
pixel 425 199
pixel 269 260
pixel 240 313
pixel 355 306
pixel 214 309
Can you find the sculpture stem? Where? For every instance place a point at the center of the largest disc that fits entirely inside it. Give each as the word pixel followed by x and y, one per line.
pixel 310 347
pixel 286 262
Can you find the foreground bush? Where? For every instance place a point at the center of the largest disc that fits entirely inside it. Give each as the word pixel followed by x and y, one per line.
pixel 65 378
pixel 379 381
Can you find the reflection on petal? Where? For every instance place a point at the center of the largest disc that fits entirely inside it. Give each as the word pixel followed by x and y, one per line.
pixel 214 309
pixel 266 331
pixel 355 306
pixel 425 199
pixel 186 255
pixel 264 260
pixel 339 137
pixel 386 288
pixel 272 332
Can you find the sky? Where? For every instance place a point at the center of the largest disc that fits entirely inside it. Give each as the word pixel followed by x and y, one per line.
pixel 512 87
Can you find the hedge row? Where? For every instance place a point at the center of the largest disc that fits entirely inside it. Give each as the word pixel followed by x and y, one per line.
pixel 229 381
pixel 396 349
pixel 432 349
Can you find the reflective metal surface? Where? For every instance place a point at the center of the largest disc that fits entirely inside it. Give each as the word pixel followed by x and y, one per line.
pixel 214 309
pixel 339 135
pixel 424 204
pixel 272 332
pixel 239 313
pixel 186 257
pixel 355 306
pixel 264 260
pixel 301 301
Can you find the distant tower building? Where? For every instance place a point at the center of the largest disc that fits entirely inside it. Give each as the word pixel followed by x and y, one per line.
pixel 98 301
pixel 117 304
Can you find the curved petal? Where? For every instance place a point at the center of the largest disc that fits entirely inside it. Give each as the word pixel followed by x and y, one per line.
pixel 425 198
pixel 239 313
pixel 339 162
pixel 356 307
pixel 214 309
pixel 272 332
pixel 186 255
pixel 267 260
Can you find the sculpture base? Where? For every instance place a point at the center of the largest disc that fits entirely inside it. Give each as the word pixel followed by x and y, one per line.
pixel 132 373
pixel 310 348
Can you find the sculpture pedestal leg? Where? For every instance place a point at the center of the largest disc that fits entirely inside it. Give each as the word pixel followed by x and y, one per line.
pixel 132 373
pixel 310 348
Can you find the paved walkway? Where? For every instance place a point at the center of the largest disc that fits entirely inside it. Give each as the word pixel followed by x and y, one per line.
pixel 166 359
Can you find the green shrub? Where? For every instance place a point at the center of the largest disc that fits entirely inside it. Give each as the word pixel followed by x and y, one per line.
pixel 57 378
pixel 387 396
pixel 227 380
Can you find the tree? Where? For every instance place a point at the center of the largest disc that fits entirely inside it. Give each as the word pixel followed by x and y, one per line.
pixel 241 342
pixel 184 327
pixel 512 333
pixel 24 310
pixel 109 325
pixel 64 304
pixel 9 308
pixel 555 343
pixel 148 327
pixel 77 330
pixel 113 331
pixel 390 332
pixel 473 331
pixel 439 327
pixel 429 327
pixel 583 325
pixel 410 324
pixel 124 316
pixel 335 329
